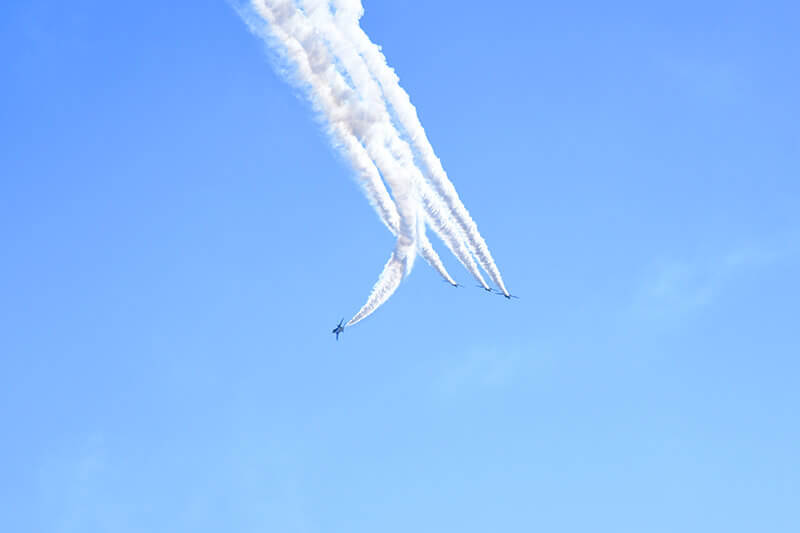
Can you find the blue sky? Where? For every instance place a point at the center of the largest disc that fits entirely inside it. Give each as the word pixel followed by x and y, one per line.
pixel 179 240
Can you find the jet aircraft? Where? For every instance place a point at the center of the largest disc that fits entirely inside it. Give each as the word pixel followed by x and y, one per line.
pixel 338 329
pixel 508 296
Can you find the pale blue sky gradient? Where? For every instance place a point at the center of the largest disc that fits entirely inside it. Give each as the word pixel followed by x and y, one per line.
pixel 179 239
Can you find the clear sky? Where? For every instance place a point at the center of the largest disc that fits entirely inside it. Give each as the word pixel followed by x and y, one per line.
pixel 179 239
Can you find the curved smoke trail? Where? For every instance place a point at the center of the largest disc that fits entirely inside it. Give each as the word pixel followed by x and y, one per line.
pixel 441 219
pixel 334 99
pixel 350 86
pixel 348 13
pixel 375 190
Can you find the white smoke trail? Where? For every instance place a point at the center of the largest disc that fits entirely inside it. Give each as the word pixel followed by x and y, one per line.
pixel 368 89
pixel 343 89
pixel 320 15
pixel 390 278
pixel 335 100
pixel 378 196
pixel 348 13
pixel 432 258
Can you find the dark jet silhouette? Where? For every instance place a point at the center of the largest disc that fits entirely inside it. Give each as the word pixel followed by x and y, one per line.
pixel 338 329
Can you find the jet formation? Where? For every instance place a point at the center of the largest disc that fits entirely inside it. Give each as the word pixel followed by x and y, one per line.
pixel 340 328
pixel 490 290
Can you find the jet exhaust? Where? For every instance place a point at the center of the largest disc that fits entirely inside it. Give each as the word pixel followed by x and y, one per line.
pixel 371 121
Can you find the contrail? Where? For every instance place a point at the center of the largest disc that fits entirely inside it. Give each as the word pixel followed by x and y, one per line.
pixel 378 196
pixel 335 100
pixel 348 13
pixel 443 224
pixel 319 13
pixel 371 183
pixel 350 86
pixel 389 280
